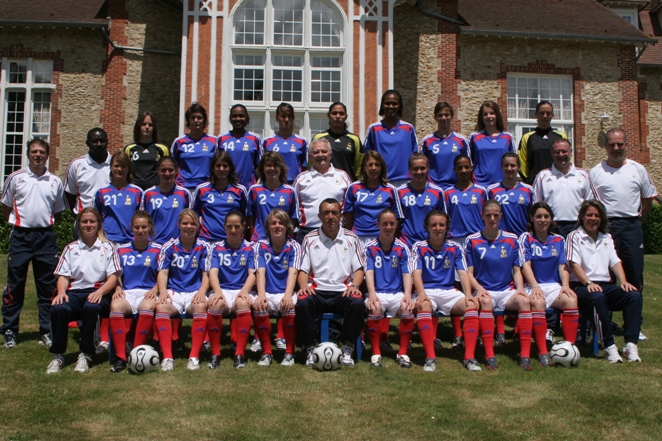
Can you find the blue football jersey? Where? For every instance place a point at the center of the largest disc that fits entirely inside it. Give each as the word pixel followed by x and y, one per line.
pixel 438 266
pixel 164 209
pixel 277 265
pixel 245 154
pixel 213 205
pixel 261 201
pixel 545 257
pixel 465 208
pixel 117 206
pixel 388 266
pixel 486 152
pixel 395 144
pixel 493 261
pixel 415 206
pixel 193 157
pixel 441 153
pixel 185 266
pixel 366 203
pixel 294 151
pixel 233 264
pixel 139 267
pixel 515 204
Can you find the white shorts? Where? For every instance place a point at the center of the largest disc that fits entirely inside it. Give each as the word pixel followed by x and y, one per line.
pixel 273 300
pixel 134 297
pixel 444 299
pixel 500 298
pixel 182 300
pixel 390 303
pixel 230 297
pixel 551 291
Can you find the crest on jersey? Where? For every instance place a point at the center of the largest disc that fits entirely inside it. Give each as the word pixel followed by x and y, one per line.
pixel 427 200
pixel 281 201
pixel 205 148
pixel 520 200
pixel 293 148
pixel 504 253
pixel 127 201
pixel 379 199
pixel 245 146
pixel 447 263
pixel 349 146
pixel 474 200
pixel 554 253
pixel 194 262
pixel 285 264
pixel 242 260
pixel 230 199
pixel 394 262
pixel 175 203
pixel 148 261
pixel 454 149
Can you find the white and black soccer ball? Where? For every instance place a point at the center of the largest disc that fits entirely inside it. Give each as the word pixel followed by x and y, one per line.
pixel 326 357
pixel 564 354
pixel 143 359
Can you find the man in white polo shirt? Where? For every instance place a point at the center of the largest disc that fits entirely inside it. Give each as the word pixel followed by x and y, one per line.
pixel 313 186
pixel 332 269
pixel 32 201
pixel 563 187
pixel 88 173
pixel 627 192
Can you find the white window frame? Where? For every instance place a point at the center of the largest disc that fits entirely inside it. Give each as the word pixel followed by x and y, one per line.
pixel 519 126
pixel 628 14
pixel 30 87
pixel 306 110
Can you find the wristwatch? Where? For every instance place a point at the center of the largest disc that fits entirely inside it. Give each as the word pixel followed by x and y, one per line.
pixel 588 282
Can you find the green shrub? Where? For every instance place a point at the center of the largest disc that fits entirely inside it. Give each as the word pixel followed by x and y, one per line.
pixel 63 231
pixel 653 231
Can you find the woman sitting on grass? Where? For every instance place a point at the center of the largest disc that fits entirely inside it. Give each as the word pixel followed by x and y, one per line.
pixel 87 275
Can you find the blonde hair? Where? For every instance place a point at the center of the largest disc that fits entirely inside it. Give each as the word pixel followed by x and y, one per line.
pixel 101 234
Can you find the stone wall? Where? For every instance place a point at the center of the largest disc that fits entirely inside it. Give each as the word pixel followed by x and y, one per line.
pixel 650 79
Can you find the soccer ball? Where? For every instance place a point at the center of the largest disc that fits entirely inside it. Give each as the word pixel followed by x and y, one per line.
pixel 326 357
pixel 143 359
pixel 564 354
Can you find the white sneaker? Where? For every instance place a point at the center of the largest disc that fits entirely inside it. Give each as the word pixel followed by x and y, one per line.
pixel 642 337
pixel 45 340
pixel 193 364
pixel 83 363
pixel 256 346
pixel 280 344
pixel 430 365
pixel 472 365
pixel 346 357
pixel 631 352
pixel 265 360
pixel 550 336
pixel 102 348
pixel 168 364
pixel 56 364
pixel 611 353
pixel 288 360
pixel 376 361
pixel 403 361
pixel 309 355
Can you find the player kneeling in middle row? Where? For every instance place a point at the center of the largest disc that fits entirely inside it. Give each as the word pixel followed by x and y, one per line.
pixel 388 279
pixel 435 262
pixel 183 283
pixel 277 261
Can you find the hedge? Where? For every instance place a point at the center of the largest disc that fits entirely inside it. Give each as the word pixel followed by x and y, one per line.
pixel 653 231
pixel 63 231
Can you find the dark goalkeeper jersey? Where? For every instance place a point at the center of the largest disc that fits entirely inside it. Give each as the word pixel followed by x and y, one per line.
pixel 346 149
pixel 535 152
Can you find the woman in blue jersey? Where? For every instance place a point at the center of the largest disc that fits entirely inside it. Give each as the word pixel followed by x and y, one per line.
pixel 242 145
pixel 277 258
pixel 388 280
pixel 213 200
pixel 292 147
pixel 194 150
pixel 165 201
pixel 514 196
pixel 435 263
pixel 464 202
pixel 87 275
pixel 183 282
pixel 231 277
pixel 393 138
pixel 136 292
pixel 443 146
pixel 494 261
pixel 366 198
pixel 488 144
pixel 271 191
pixel 544 268
pixel 118 201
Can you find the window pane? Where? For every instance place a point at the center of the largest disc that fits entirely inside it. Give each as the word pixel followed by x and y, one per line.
pixel 41 113
pixel 249 23
pixel 287 85
pixel 326 27
pixel 15 111
pixel 43 72
pixel 288 22
pixel 248 77
pixel 18 72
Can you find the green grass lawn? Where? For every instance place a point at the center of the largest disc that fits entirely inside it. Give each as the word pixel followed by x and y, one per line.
pixel 595 401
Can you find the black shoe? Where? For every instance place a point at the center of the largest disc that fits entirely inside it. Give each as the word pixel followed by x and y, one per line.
pixel 214 361
pixel 500 339
pixel 239 362
pixel 119 366
pixel 10 339
pixel 177 346
pixel 525 363
pixel 491 363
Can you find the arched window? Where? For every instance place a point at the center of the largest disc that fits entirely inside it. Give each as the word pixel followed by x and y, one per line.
pixel 288 51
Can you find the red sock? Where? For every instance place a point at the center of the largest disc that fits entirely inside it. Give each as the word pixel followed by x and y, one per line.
pixel 280 332
pixel 176 327
pixel 569 325
pixel 262 326
pixel 374 332
pixel 164 331
pixel 385 327
pixel 425 330
pixel 119 334
pixel 104 329
pixel 207 335
pixel 155 334
pixel 233 330
pixel 435 326
pixel 198 331
pixel 243 324
pixel 540 330
pixel 405 331
pixel 289 330
pixel 486 323
pixel 524 325
pixel 214 329
pixel 500 324
pixel 129 324
pixel 456 320
pixel 471 330
pixel 143 327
